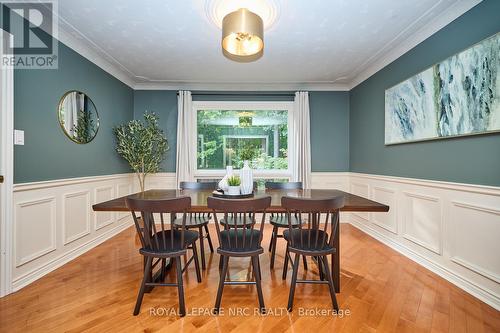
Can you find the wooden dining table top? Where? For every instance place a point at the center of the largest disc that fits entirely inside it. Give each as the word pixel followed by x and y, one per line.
pixel 352 203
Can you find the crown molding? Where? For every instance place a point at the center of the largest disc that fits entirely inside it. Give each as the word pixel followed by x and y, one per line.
pixel 88 52
pixel 84 47
pixel 242 86
pixel 446 17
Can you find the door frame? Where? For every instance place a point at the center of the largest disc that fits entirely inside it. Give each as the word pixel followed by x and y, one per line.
pixel 7 170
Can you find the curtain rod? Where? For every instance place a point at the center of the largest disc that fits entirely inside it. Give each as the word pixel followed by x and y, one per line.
pixel 230 93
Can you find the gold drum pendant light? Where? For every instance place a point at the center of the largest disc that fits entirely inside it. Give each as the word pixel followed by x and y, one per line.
pixel 242 35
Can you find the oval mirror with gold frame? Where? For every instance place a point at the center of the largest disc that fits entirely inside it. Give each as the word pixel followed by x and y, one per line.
pixel 78 117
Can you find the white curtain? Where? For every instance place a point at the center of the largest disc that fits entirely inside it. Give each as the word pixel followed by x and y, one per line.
pixel 301 150
pixel 185 160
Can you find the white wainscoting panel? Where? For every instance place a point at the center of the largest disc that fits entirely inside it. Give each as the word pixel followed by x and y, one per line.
pixel 363 190
pixel 161 180
pixel 452 229
pixel 35 229
pixel 319 180
pixel 330 180
pixel 388 220
pixel 52 222
pixel 122 190
pixel 476 231
pixel 102 219
pixel 76 216
pixel 422 220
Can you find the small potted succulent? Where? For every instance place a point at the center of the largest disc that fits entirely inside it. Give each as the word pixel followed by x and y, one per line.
pixel 234 183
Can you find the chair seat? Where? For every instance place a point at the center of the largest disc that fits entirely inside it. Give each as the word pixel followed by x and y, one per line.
pixel 168 243
pixel 192 221
pixel 281 221
pixel 305 240
pixel 232 240
pixel 240 221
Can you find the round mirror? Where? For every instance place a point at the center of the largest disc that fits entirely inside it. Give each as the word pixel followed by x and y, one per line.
pixel 78 117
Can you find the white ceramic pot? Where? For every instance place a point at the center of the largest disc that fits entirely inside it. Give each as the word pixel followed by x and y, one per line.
pixel 233 190
pixel 246 176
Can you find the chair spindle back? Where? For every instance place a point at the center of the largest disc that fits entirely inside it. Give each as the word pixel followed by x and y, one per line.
pixel 318 221
pixel 236 214
pixel 159 237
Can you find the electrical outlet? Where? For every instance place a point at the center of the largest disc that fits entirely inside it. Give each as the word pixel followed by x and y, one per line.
pixel 19 137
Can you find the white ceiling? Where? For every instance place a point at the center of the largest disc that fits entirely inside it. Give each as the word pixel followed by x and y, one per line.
pixel 322 44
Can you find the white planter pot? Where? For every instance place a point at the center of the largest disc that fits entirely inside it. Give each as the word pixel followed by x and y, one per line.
pixel 233 190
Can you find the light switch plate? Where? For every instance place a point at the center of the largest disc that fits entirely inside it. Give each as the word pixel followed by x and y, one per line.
pixel 19 137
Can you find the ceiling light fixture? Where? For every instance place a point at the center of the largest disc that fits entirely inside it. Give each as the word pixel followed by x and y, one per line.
pixel 242 35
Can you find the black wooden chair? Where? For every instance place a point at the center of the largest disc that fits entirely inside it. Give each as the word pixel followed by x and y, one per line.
pixel 240 220
pixel 314 237
pixel 280 220
pixel 161 242
pixel 198 220
pixel 239 240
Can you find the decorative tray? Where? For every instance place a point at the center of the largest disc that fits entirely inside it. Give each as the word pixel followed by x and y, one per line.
pixel 220 194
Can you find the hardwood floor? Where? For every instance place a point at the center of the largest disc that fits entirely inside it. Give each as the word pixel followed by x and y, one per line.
pixel 382 290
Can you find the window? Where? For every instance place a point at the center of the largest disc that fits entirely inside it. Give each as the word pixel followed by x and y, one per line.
pixel 229 133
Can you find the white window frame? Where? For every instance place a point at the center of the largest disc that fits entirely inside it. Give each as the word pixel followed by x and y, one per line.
pixel 240 105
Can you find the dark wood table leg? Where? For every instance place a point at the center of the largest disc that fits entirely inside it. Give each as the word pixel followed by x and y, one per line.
pixel 336 262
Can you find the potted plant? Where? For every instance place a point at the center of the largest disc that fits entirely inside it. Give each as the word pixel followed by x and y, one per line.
pixel 234 183
pixel 143 145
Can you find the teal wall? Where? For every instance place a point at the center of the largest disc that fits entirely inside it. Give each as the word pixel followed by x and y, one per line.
pixel 473 159
pixel 48 153
pixel 329 113
pixel 164 104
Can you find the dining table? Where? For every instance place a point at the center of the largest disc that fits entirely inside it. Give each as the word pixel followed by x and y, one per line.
pixel 352 203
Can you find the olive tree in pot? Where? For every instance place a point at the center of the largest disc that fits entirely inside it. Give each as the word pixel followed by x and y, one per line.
pixel 143 145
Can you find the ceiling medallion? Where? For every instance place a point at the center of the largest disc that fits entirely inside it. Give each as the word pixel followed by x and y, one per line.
pixel 268 10
pixel 243 23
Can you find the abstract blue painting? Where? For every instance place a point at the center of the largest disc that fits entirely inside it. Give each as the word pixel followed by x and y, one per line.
pixel 458 96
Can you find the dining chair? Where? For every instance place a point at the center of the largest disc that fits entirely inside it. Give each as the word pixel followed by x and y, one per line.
pixel 239 240
pixel 240 220
pixel 198 220
pixel 314 237
pixel 280 220
pixel 161 242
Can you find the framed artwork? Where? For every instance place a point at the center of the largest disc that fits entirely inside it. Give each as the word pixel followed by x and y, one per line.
pixel 456 97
